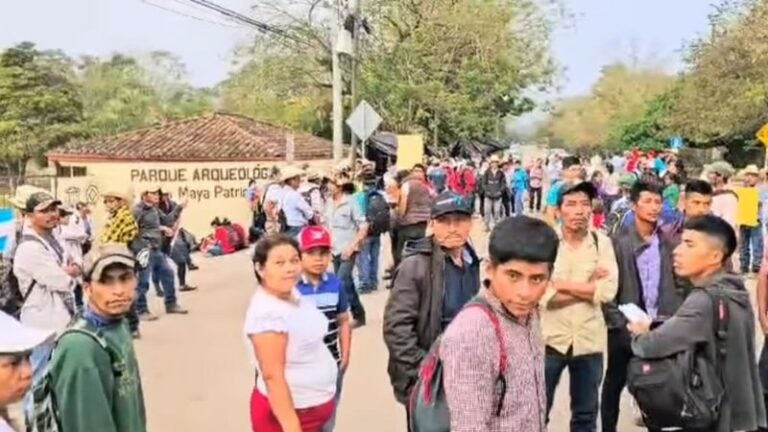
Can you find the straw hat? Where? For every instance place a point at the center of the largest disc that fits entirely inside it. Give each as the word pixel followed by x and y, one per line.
pixel 125 196
pixel 290 172
pixel 751 170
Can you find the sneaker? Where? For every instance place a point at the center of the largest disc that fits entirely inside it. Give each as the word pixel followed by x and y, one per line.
pixel 159 292
pixel 175 309
pixel 187 288
pixel 358 323
pixel 147 316
pixel 193 267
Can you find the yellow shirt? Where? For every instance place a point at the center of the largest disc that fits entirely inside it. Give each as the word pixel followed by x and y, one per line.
pixel 581 325
pixel 749 206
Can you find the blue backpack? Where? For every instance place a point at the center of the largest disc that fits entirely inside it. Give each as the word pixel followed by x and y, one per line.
pixel 428 407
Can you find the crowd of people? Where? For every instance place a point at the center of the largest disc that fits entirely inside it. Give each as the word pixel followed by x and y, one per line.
pixel 612 269
pixel 634 230
pixel 73 299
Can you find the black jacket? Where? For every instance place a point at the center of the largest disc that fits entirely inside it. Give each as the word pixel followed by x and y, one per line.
pixel 744 408
pixel 628 244
pixel 414 312
pixel 493 186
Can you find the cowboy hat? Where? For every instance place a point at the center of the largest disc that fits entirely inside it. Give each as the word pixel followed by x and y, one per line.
pixel 290 172
pixel 751 169
pixel 125 196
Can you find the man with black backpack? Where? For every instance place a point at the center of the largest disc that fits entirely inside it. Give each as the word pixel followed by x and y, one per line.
pixel 705 354
pixel 378 216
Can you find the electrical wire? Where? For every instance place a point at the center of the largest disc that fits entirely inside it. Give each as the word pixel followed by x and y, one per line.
pixel 184 14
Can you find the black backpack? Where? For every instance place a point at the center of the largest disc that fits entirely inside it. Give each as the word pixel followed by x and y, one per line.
pixel 377 213
pixel 685 390
pixel 12 297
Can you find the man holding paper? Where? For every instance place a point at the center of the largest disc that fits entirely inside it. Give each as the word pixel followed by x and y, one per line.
pixel 585 277
pixel 646 279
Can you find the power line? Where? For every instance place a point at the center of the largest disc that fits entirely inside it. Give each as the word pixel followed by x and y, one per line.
pixel 262 27
pixel 184 14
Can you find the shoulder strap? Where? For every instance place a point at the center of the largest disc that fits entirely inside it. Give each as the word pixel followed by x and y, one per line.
pixel 29 237
pixel 720 319
pixel 81 326
pixel 485 307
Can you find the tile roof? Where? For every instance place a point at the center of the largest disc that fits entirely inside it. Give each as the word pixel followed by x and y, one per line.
pixel 214 137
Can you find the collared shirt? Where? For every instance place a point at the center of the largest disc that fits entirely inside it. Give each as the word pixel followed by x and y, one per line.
pixel 344 218
pixel 121 227
pixel 581 325
pixel 461 284
pixel 296 208
pixel 50 304
pixel 649 272
pixel 331 299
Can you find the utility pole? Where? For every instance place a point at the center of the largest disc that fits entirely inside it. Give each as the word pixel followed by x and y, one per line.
pixel 354 10
pixel 337 89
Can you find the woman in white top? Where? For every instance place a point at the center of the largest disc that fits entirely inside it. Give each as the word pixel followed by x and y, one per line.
pixel 296 381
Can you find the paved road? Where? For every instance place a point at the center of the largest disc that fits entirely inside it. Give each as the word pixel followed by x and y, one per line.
pixel 197 378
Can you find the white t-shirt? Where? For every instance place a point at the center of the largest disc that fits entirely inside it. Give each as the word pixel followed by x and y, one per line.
pixel 4 426
pixel 310 369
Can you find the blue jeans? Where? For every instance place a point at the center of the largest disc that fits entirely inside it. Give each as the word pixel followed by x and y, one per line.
pixel 39 361
pixel 328 427
pixel 586 372
pixel 343 269
pixel 158 264
pixel 519 195
pixel 751 248
pixel 293 231
pixel 368 263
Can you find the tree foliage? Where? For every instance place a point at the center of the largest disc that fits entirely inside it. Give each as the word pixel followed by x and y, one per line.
pixel 47 98
pixel 39 104
pixel 724 91
pixel 608 116
pixel 121 93
pixel 457 66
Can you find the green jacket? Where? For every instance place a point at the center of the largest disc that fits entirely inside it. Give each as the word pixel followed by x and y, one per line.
pixel 96 390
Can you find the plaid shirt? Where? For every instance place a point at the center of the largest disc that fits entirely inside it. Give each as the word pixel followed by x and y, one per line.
pixel 121 228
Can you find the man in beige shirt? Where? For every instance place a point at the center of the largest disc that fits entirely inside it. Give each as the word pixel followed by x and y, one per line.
pixel 585 276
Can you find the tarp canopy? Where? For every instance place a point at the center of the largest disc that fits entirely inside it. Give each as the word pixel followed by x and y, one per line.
pixel 477 147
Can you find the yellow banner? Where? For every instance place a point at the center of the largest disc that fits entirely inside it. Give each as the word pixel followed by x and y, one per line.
pixel 410 151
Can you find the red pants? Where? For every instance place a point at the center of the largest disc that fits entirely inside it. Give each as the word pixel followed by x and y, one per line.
pixel 263 420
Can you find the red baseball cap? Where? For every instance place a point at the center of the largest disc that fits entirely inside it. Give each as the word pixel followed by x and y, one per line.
pixel 314 236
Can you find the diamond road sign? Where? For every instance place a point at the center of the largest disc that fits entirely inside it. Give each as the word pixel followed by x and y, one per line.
pixel 364 120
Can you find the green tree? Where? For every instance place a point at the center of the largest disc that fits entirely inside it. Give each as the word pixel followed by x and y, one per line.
pixel 39 104
pixel 123 93
pixel 281 88
pixel 619 98
pixel 723 94
pixel 456 67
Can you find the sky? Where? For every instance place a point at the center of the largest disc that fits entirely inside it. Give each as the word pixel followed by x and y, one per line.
pixel 600 32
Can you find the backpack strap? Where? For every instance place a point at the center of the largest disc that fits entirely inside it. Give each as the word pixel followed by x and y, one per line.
pixel 597 241
pixel 81 326
pixel 721 316
pixel 502 380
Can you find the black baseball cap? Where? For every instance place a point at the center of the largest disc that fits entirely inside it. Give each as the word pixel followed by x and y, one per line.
pixel 40 201
pixel 449 202
pixel 572 187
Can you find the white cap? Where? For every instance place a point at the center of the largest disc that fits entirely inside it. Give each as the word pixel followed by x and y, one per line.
pixel 17 338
